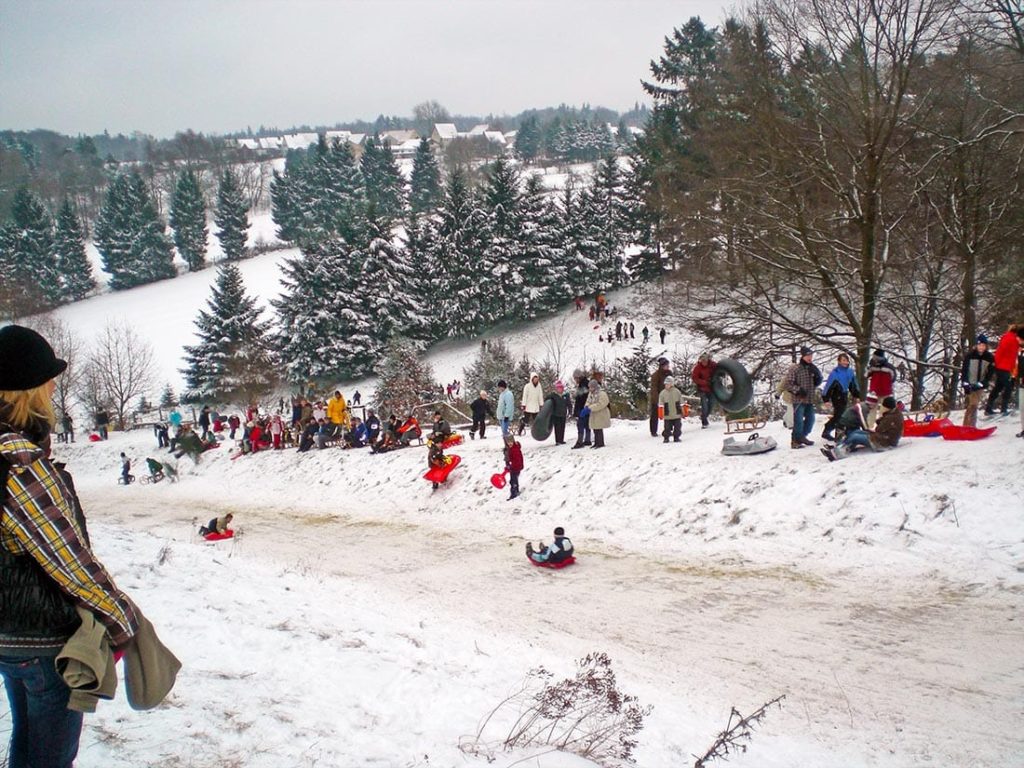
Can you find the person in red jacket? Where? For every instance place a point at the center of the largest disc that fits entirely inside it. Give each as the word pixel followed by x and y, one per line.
pixel 701 375
pixel 1005 361
pixel 514 464
pixel 881 375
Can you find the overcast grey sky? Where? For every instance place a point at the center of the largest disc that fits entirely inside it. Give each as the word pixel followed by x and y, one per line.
pixel 160 66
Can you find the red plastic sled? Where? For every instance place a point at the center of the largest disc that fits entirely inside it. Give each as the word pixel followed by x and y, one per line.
pixel 440 474
pixel 94 438
pixel 925 428
pixel 954 432
pixel 556 566
pixel 219 536
pixel 498 480
pixel 452 440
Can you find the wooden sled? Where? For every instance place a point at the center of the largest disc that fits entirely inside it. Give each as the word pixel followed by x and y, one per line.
pixel 744 425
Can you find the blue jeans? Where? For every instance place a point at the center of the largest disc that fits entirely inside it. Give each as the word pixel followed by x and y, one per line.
pixel 45 732
pixel 803 420
pixel 707 400
pixel 504 426
pixel 854 438
pixel 583 429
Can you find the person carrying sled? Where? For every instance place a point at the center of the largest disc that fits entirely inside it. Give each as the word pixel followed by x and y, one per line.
pixel 975 376
pixel 533 399
pixel 842 382
pixel 560 550
pixel 671 400
pixel 657 386
pixel 702 374
pixel 480 408
pixel 513 464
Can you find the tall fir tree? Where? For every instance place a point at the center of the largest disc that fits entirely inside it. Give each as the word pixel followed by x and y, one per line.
pixel 425 193
pixel 231 217
pixel 335 199
pixel 385 187
pixel 324 332
pixel 188 220
pixel 130 235
pixel 610 221
pixel 463 277
pixel 421 247
pixel 33 266
pixel 389 283
pixel 544 275
pixel 234 344
pixel 529 139
pixel 578 248
pixel 502 262
pixel 72 260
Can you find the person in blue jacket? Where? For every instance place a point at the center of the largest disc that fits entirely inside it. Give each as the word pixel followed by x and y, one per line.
pixel 560 549
pixel 839 387
pixel 506 407
pixel 357 435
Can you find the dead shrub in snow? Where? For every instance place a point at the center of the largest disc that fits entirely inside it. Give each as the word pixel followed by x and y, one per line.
pixel 585 714
pixel 738 730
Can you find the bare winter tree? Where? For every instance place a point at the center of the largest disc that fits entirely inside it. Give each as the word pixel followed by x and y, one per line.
pixel 120 369
pixel 68 347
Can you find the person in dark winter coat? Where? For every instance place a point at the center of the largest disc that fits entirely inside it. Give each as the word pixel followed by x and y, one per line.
pixel 975 375
pixel 126 468
pixel 885 435
pixel 49 569
pixel 701 375
pixel 204 422
pixel 579 409
pixel 441 428
pixel 514 464
pixel 481 409
pixel 657 385
pixel 1005 360
pixel 308 438
pixel 842 382
pixel 801 381
pixel 372 426
pixel 561 549
pixel 559 411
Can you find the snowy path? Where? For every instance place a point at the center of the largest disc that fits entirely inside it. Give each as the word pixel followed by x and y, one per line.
pixel 875 673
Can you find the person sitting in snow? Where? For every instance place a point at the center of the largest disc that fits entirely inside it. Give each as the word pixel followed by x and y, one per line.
pixel 409 431
pixel 356 436
pixel 372 426
pixel 442 429
pixel 561 549
pixel 886 434
pixel 308 438
pixel 218 525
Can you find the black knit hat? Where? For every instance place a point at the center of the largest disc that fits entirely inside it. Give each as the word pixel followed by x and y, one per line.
pixel 26 359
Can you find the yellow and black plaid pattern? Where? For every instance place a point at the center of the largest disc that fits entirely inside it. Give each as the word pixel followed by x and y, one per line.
pixel 38 521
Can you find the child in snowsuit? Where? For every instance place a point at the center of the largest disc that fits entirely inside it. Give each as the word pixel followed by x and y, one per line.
pixel 514 464
pixel 561 549
pixel 671 400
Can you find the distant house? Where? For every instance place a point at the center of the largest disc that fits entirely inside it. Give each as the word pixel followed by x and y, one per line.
pixel 395 137
pixel 407 149
pixel 250 144
pixel 299 140
pixel 495 137
pixel 352 138
pixel 444 133
pixel 477 130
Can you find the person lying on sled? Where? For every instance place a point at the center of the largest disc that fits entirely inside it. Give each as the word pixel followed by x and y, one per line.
pixel 560 550
pixel 217 525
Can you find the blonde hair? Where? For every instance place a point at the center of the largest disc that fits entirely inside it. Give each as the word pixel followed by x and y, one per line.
pixel 23 407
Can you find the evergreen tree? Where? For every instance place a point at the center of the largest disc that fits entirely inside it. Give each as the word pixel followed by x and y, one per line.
pixel 232 217
pixel 324 331
pixel 578 247
pixel 629 387
pixel 72 261
pixel 502 266
pixel 385 187
pixel 130 236
pixel 529 139
pixel 284 206
pixel 405 378
pixel 426 193
pixel 33 267
pixel 387 281
pixel 544 273
pixel 188 220
pixel 168 399
pixel 427 279
pixel 334 198
pixel 491 364
pixel 463 277
pixel 609 221
pixel 233 347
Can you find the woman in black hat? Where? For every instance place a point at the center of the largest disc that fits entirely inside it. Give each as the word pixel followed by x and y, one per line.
pixel 47 570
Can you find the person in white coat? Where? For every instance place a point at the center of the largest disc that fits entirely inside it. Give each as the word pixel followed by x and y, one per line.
pixel 533 398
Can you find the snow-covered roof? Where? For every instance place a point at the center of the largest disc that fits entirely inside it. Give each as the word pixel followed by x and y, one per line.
pixel 356 138
pixel 248 143
pixel 271 142
pixel 478 130
pixel 495 137
pixel 343 135
pixel 397 136
pixel 510 136
pixel 446 130
pixel 300 140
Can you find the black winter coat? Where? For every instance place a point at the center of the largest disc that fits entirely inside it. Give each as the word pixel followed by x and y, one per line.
pixel 481 409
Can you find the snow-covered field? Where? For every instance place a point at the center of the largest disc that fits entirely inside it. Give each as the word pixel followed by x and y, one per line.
pixel 363 620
